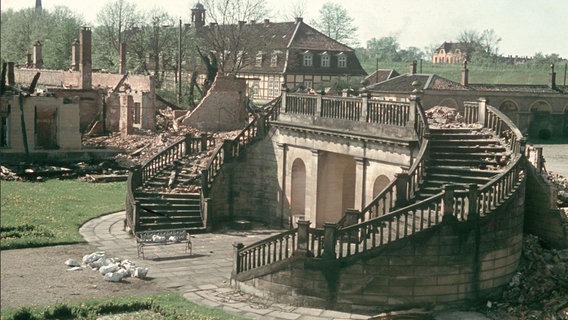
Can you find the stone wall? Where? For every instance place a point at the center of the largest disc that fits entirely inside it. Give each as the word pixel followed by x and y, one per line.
pixel 223 108
pixel 456 262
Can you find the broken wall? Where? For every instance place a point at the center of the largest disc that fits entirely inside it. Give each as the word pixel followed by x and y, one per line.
pixel 223 108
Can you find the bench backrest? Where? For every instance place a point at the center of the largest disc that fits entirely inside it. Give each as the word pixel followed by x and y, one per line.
pixel 180 234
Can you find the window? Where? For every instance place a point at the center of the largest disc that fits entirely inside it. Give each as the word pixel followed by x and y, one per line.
pixel 308 84
pixel 341 61
pixel 259 59
pixel 255 87
pixel 308 59
pixel 325 60
pixel 274 60
pixel 273 88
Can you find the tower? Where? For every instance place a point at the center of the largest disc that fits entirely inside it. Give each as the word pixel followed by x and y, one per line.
pixel 198 15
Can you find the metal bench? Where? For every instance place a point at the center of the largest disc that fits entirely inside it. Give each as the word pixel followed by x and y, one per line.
pixel 161 238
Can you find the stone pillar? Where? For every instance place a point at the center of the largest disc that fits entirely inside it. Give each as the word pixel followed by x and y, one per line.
pixel 319 98
pixel 237 246
pixel 281 163
pixel 302 244
pixel 75 55
pixel 228 149
pixel 85 66
pixel 364 105
pixel 539 160
pixel 312 187
pixel 329 240
pixel 283 94
pixel 126 114
pixel 38 59
pixel 351 217
pixel 448 202
pixel 401 189
pixel 481 111
pixel 472 209
pixel 29 62
pixel 360 183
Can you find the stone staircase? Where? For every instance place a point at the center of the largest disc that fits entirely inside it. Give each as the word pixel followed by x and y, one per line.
pixel 462 156
pixel 168 203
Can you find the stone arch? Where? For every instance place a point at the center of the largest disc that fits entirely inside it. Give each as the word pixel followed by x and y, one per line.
pixel 449 102
pixel 298 190
pixel 379 185
pixel 540 124
pixel 511 109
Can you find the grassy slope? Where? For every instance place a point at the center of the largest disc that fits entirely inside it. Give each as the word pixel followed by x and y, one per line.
pixel 49 213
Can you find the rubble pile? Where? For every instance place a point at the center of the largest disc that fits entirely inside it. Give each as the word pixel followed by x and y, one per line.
pixel 539 290
pixel 446 117
pixel 112 269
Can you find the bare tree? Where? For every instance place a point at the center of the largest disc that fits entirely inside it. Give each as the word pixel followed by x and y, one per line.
pixel 490 42
pixel 471 40
pixel 335 22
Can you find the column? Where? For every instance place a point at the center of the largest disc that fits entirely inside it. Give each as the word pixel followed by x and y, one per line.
pixel 312 187
pixel 281 163
pixel 360 183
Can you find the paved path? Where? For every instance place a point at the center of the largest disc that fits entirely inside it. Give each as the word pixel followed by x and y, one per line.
pixel 202 277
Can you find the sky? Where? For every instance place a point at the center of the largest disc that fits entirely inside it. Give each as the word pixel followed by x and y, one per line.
pixel 525 26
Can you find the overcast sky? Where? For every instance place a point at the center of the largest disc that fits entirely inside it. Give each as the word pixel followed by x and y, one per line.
pixel 525 26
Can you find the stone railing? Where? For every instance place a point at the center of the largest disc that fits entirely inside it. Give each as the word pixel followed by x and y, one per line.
pixel 139 175
pixel 360 109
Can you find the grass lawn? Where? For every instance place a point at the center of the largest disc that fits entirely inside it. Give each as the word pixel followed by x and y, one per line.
pixel 50 213
pixel 155 307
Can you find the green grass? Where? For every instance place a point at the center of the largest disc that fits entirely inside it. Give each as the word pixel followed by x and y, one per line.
pixel 498 74
pixel 51 212
pixel 155 307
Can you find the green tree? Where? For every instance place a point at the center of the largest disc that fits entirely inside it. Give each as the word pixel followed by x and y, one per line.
pixel 118 22
pixel 335 22
pixel 384 49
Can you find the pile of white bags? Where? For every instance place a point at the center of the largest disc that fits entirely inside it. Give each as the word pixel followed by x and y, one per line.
pixel 112 269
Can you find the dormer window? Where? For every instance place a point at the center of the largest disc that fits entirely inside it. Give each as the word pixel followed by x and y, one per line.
pixel 259 59
pixel 274 60
pixel 341 60
pixel 308 59
pixel 325 60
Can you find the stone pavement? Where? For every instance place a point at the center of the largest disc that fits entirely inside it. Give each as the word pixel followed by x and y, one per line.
pixel 202 277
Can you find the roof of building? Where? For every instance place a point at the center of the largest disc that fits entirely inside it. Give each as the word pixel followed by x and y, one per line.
pixel 452 46
pixel 406 83
pixel 288 41
pixel 380 75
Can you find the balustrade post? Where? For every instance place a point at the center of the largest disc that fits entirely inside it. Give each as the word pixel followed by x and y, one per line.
pixel 136 172
pixel 205 183
pixel 135 216
pixel 204 142
pixel 329 240
pixel 482 111
pixel 207 214
pixel 302 247
pixel 401 189
pixel 413 110
pixel 351 217
pixel 237 246
pixel 539 160
pixel 188 138
pixel 364 105
pixel 319 98
pixel 473 208
pixel 283 94
pixel 523 146
pixel 448 202
pixel 261 125
pixel 228 150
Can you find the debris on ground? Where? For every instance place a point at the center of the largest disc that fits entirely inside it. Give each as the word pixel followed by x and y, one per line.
pixel 447 117
pixel 112 269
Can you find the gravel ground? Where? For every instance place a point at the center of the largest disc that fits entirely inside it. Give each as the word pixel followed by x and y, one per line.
pixel 37 277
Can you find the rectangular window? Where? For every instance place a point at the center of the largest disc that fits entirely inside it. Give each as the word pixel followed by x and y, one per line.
pixel 342 61
pixel 325 60
pixel 258 60
pixel 308 84
pixel 274 60
pixel 308 60
pixel 273 88
pixel 255 87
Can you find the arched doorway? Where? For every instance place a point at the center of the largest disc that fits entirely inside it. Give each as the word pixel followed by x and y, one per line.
pixel 540 126
pixel 510 109
pixel 380 183
pixel 298 192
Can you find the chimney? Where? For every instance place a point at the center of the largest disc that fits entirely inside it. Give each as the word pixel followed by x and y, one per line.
pixel 75 55
pixel 212 24
pixel 85 64
pixel 28 60
pixel 465 74
pixel 552 78
pixel 253 22
pixel 38 59
pixel 266 22
pixel 413 67
pixel 299 20
pixel 122 65
pixel 242 23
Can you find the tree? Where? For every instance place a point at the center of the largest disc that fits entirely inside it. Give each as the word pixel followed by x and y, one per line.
pixel 117 22
pixel 489 42
pixel 384 49
pixel 296 9
pixel 471 41
pixel 335 22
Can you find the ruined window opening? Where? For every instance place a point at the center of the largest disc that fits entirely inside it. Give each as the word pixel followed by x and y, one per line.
pixel 4 121
pixel 45 128
pixel 137 112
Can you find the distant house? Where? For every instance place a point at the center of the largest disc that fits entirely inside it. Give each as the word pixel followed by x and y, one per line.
pixel 272 54
pixel 450 53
